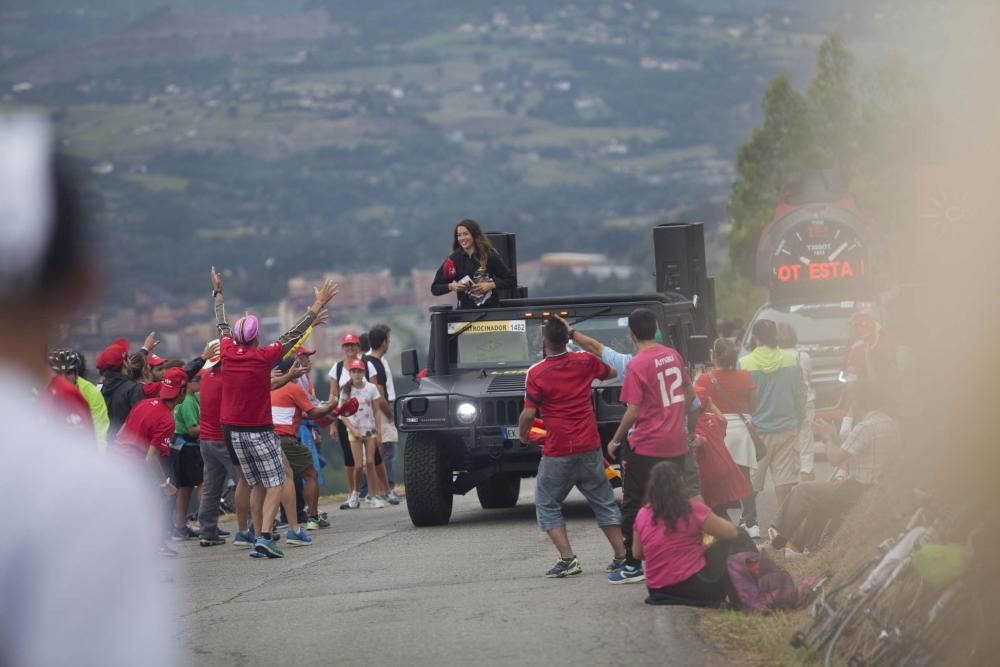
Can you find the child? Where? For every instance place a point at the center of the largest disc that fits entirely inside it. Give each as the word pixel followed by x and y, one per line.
pixel 364 427
pixel 722 482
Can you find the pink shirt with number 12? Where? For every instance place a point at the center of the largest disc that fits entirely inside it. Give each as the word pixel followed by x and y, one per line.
pixel 655 381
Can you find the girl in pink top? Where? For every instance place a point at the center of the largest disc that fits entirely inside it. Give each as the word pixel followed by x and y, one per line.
pixel 669 538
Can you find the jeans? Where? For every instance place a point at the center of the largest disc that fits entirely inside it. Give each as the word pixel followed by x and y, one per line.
pixel 218 468
pixel 389 456
pixel 557 475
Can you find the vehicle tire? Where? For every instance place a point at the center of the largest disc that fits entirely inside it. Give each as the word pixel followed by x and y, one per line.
pixel 499 491
pixel 427 476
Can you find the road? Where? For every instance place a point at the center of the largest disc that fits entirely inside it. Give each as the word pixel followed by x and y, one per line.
pixel 374 589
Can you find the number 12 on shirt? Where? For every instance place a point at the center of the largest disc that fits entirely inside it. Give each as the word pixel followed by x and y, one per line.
pixel 671 377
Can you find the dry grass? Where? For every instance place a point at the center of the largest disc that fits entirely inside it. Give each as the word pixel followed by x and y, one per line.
pixel 763 640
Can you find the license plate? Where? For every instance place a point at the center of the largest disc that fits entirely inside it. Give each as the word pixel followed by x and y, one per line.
pixel 510 433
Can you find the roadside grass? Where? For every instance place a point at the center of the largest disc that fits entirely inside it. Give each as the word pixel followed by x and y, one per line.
pixel 763 640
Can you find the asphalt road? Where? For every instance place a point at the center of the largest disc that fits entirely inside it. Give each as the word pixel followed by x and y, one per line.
pixel 373 589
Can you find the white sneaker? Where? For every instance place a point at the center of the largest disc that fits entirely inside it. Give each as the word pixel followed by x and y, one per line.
pixel 376 503
pixel 754 532
pixel 353 501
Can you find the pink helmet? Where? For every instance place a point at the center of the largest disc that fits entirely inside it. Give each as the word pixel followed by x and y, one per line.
pixel 246 329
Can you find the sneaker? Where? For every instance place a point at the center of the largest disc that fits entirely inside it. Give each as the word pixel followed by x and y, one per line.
pixel 346 505
pixel 376 503
pixel 627 574
pixel 792 553
pixel 386 498
pixel 182 534
pixel 212 541
pixel 256 554
pixel 777 540
pixel 222 533
pixel 354 502
pixel 268 548
pixel 395 496
pixel 167 552
pixel 242 539
pixel 279 526
pixel 616 564
pixel 565 567
pixel 321 521
pixel 298 539
pixel 323 516
pixel 312 524
pixel 753 531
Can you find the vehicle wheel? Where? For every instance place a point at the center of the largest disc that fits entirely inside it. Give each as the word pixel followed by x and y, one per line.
pixel 499 491
pixel 427 476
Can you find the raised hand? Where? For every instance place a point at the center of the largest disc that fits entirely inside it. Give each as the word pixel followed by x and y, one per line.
pixel 216 281
pixel 211 350
pixel 325 293
pixel 151 341
pixel 321 317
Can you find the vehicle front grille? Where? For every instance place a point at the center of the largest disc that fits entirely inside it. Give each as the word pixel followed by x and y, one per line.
pixel 503 384
pixel 501 411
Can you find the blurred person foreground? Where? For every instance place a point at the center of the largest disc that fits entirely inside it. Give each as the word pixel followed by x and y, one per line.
pixel 50 476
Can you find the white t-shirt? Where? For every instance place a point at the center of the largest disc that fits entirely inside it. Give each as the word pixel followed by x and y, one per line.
pixel 98 599
pixel 363 420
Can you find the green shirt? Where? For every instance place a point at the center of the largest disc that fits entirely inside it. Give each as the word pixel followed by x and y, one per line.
pixel 186 415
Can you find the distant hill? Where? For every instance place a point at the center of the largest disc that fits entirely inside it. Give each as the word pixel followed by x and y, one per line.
pixel 269 138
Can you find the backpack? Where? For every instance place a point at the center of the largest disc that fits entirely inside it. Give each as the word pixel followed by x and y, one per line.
pixel 763 586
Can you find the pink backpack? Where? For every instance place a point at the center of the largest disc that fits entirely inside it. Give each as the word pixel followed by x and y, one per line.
pixel 763 586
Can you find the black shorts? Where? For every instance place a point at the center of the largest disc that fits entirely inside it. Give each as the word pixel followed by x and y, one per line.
pixel 345 447
pixel 189 468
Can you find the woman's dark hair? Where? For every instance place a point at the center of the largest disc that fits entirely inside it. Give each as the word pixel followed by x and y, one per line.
pixel 136 366
pixel 725 353
pixel 665 494
pixel 766 333
pixel 483 246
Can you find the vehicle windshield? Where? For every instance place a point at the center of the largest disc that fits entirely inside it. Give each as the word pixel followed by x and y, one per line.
pixel 815 325
pixel 518 342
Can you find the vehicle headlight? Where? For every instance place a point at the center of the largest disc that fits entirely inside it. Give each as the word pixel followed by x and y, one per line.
pixel 466 412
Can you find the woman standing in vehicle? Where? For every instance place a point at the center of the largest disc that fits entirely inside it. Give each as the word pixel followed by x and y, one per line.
pixel 474 270
pixel 732 391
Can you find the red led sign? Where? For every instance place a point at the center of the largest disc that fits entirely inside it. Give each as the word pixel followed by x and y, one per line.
pixel 818 271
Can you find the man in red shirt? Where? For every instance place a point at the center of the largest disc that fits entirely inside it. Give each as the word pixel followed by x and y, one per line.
pixel 245 412
pixel 560 386
pixel 657 391
pixel 62 398
pixel 148 431
pixel 288 405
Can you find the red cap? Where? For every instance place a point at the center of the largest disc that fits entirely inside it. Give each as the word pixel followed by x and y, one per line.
pixel 113 356
pixel 350 339
pixel 155 360
pixel 356 365
pixel 305 350
pixel 174 381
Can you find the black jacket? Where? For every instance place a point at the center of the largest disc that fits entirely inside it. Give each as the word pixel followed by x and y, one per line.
pixel 121 394
pixel 464 265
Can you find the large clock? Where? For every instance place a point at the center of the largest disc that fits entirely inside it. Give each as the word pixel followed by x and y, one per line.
pixel 818 250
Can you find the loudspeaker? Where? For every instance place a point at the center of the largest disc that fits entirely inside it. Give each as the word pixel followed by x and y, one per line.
pixel 679 250
pixel 505 244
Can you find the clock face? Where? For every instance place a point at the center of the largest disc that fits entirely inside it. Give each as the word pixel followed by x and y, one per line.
pixel 818 250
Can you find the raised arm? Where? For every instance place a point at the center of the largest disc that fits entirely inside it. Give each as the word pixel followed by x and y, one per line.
pixel 220 308
pixel 314 316
pixel 595 347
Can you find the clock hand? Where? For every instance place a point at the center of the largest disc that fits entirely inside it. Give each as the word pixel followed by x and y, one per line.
pixel 833 255
pixel 805 260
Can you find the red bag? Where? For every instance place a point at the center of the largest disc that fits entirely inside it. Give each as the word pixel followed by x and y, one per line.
pixel 722 482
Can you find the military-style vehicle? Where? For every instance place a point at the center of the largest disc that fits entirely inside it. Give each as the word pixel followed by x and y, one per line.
pixel 461 420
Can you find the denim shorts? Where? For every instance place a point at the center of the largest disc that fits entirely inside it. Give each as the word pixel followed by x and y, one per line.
pixel 557 475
